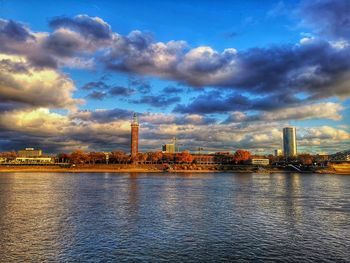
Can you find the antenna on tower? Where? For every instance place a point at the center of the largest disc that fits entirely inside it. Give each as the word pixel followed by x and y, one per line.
pixel 135 119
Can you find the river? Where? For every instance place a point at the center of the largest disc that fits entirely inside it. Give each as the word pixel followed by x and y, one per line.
pixel 209 217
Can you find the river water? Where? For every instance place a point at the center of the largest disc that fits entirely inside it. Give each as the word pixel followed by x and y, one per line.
pixel 209 217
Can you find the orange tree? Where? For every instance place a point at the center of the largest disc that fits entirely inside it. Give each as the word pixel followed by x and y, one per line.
pixel 184 157
pixel 241 155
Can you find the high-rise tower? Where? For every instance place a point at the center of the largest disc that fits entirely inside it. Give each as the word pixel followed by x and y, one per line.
pixel 134 136
pixel 289 142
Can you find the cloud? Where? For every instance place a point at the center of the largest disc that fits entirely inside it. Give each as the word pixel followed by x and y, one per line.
pixel 22 84
pixel 90 27
pixel 326 132
pixel 223 102
pixel 315 67
pixel 95 85
pixel 121 91
pixel 14 32
pixel 159 101
pixel 328 17
pixel 263 88
pixel 102 115
pixel 171 90
pixel 97 95
pixel 303 67
pixel 55 132
pixel 305 112
pixel 110 130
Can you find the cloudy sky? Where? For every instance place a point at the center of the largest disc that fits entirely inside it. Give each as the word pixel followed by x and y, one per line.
pixel 221 75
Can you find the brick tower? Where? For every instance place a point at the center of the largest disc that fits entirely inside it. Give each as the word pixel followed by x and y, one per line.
pixel 134 136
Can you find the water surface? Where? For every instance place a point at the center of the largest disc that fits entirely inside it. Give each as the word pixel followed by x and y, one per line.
pixel 106 217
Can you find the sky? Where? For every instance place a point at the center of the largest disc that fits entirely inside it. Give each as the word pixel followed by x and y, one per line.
pixel 220 75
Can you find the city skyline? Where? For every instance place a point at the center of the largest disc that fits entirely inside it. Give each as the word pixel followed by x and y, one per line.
pixel 73 79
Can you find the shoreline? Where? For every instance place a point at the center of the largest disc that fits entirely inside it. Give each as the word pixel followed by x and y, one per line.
pixel 154 169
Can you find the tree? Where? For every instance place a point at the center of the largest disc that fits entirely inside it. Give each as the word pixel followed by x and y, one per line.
pixel 241 155
pixel 118 157
pixel 78 157
pixel 184 157
pixel 155 157
pixel 9 155
pixel 141 157
pixel 167 157
pixel 63 157
pixel 305 159
pixel 96 157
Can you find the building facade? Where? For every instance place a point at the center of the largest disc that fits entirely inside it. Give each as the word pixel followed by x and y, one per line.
pixel 34 160
pixel 134 149
pixel 30 152
pixel 289 142
pixel 168 148
pixel 259 161
pixel 278 152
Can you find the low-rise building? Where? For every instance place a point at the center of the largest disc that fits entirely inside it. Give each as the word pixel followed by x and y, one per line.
pixel 203 159
pixel 30 152
pixel 34 160
pixel 255 161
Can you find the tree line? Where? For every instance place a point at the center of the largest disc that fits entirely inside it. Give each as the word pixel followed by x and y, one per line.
pixel 120 157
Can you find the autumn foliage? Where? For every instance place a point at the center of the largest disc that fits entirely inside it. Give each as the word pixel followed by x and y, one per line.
pixel 241 155
pixel 184 157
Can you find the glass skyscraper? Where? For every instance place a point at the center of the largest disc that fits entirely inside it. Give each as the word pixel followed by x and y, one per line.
pixel 289 142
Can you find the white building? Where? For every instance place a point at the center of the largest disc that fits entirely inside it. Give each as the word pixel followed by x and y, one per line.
pixel 260 161
pixel 34 160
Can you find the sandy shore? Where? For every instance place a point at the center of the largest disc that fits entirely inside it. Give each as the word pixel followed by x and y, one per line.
pixel 148 169
pixel 117 169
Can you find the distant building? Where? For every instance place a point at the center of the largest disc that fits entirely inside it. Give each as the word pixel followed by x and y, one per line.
pixel 289 142
pixel 134 136
pixel 277 152
pixel 259 161
pixel 29 152
pixel 203 159
pixel 168 148
pixel 3 159
pixel 34 160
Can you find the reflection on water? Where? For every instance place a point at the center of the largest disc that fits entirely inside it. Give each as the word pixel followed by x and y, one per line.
pixel 174 217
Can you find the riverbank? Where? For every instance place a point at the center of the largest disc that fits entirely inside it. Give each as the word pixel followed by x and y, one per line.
pixel 159 168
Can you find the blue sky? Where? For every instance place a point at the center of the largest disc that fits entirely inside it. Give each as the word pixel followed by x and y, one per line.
pixel 217 74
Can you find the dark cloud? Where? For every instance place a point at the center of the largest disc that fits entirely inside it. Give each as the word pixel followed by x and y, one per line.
pixel 63 44
pixel 92 27
pixel 222 102
pixel 159 101
pixel 100 89
pixel 97 95
pixel 95 85
pixel 102 116
pixel 172 90
pixel 140 84
pixel 13 31
pixel 301 112
pixel 315 67
pixel 328 17
pixel 121 91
